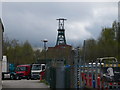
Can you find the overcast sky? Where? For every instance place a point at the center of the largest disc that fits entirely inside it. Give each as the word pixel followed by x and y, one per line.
pixel 37 21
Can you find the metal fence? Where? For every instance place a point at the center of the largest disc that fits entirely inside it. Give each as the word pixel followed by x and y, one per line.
pixel 95 75
pixel 59 75
pixel 100 75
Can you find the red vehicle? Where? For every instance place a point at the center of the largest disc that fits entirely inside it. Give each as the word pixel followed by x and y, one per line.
pixel 23 72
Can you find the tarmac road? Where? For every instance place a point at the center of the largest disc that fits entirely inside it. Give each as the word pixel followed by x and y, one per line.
pixel 23 84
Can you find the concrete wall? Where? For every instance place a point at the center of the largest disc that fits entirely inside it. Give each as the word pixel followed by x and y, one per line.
pixel 1 38
pixel 0 74
pixel 1 31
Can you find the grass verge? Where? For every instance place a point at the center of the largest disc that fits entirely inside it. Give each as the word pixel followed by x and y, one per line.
pixel 44 81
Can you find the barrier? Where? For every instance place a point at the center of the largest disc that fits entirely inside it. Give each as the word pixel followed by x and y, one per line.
pixel 100 74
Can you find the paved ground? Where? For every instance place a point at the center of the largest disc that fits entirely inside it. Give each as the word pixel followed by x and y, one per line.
pixel 23 84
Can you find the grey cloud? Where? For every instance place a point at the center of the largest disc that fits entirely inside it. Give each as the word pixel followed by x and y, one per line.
pixel 36 21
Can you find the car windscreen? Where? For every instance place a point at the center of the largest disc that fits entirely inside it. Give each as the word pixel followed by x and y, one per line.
pixel 21 68
pixel 36 67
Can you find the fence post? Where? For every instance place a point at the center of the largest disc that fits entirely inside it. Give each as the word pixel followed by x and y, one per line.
pixel 117 82
pixel 100 75
pixel 76 69
pixel 96 75
pixel 47 72
pixel 105 83
pixel 83 71
pixel 75 74
pixel 92 72
pixel 80 69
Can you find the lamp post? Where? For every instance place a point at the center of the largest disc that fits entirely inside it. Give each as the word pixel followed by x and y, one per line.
pixel 44 42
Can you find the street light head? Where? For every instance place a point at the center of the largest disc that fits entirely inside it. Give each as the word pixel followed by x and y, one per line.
pixel 61 19
pixel 45 40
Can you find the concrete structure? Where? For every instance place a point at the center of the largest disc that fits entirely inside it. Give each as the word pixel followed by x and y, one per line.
pixel 63 52
pixel 119 11
pixel 1 39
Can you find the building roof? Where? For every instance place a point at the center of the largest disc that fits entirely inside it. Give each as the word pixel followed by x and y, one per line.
pixel 59 46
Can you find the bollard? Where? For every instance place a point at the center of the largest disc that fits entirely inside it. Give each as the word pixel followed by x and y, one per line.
pixel 40 77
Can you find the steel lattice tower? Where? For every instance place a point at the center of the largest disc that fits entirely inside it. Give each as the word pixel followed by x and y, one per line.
pixel 61 32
